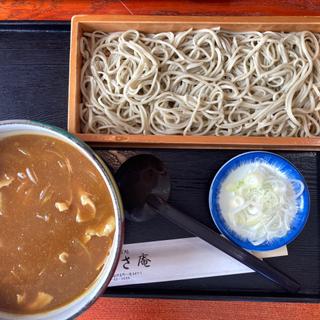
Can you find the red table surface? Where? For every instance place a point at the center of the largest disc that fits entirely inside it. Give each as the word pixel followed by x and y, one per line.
pixel 65 9
pixel 123 308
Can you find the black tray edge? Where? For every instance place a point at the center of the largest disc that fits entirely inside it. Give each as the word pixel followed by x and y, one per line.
pixel 35 26
pixel 313 299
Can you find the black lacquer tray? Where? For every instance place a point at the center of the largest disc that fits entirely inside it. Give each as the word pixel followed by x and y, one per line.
pixel 34 61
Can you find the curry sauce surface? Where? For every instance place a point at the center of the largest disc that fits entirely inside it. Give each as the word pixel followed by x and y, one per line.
pixel 56 223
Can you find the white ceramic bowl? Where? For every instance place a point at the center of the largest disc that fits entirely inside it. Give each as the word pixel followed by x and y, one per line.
pixel 14 127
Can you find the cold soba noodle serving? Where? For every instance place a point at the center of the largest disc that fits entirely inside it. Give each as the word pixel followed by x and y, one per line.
pixel 57 223
pixel 201 82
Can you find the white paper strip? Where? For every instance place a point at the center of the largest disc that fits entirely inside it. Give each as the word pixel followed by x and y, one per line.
pixel 177 259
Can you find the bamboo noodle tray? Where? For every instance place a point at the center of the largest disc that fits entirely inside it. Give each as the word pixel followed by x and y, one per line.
pixel 150 24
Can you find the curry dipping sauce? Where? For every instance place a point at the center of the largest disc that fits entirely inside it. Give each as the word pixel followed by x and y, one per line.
pixel 56 223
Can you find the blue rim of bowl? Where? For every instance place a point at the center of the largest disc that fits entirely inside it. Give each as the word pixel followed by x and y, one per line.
pixel 116 200
pixel 230 234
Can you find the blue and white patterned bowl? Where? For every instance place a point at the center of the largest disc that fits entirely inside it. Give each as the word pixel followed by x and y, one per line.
pixel 287 168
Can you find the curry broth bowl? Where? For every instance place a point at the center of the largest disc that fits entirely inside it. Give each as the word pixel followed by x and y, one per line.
pixel 74 304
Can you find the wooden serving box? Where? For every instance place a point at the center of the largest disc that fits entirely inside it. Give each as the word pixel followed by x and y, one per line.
pixel 149 24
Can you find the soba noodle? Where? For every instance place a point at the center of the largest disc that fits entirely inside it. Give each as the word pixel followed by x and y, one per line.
pixel 201 82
